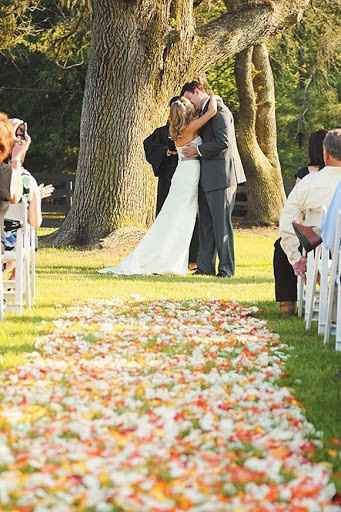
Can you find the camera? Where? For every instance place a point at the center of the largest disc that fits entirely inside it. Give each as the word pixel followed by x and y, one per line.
pixel 21 132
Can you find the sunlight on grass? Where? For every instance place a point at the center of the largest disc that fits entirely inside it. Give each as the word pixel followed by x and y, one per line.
pixel 68 276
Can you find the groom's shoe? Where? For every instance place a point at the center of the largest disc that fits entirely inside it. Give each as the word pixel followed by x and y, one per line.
pixel 224 275
pixel 199 272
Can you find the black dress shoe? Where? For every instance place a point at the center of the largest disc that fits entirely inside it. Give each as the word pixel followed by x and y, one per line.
pixel 199 272
pixel 224 275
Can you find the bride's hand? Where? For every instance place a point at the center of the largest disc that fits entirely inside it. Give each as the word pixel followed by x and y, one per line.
pixel 212 106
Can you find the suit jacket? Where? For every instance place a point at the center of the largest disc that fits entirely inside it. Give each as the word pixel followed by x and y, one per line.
pixel 220 163
pixel 155 148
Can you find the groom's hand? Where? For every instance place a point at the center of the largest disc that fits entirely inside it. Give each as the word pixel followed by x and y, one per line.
pixel 190 151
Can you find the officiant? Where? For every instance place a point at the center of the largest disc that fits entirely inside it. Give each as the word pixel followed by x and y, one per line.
pixel 161 154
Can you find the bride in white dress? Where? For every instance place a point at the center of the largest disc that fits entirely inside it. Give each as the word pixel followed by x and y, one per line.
pixel 165 247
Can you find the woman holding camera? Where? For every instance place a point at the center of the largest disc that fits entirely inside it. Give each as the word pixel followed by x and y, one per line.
pixel 10 173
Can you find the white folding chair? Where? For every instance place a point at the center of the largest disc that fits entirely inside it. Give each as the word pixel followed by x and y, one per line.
pixel 317 297
pixel 300 293
pixel 334 286
pixel 2 298
pixel 312 274
pixel 20 287
pixel 317 268
pixel 33 279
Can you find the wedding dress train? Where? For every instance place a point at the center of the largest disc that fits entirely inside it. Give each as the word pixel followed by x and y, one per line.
pixel 165 247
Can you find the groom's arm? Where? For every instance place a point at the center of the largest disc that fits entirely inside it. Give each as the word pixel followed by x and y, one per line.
pixel 220 141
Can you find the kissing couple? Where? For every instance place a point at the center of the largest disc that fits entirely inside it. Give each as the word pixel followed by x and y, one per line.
pixel 205 181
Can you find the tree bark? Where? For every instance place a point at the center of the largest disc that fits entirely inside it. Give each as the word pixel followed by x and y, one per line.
pixel 257 135
pixel 141 53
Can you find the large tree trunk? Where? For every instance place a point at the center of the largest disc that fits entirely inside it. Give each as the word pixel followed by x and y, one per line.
pixel 141 54
pixel 122 103
pixel 257 136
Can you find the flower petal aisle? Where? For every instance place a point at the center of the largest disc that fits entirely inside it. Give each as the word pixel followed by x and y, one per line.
pixel 163 406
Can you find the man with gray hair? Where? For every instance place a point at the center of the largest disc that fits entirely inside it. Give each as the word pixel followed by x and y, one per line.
pixel 307 199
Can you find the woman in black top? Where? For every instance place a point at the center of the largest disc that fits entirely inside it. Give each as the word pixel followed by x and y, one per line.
pixel 285 278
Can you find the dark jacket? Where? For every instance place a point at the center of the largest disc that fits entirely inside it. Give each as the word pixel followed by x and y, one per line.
pixel 155 148
pixel 220 161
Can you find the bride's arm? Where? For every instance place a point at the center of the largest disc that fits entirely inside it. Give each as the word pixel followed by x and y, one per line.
pixel 195 125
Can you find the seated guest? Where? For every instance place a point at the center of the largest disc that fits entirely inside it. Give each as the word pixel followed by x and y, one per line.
pixel 30 191
pixel 10 174
pixel 307 199
pixel 161 154
pixel 285 278
pixel 315 152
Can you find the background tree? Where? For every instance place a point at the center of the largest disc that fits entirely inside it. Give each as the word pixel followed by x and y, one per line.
pixel 257 135
pixel 306 62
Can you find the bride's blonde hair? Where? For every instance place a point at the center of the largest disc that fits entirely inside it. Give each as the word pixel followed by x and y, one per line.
pixel 182 112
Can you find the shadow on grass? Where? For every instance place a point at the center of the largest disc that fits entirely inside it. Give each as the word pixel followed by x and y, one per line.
pixel 91 273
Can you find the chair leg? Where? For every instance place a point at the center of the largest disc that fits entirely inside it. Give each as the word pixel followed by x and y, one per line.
pixel 311 288
pixel 300 291
pixel 19 275
pixel 33 277
pixel 323 291
pixel 28 290
pixel 338 317
pixel 2 298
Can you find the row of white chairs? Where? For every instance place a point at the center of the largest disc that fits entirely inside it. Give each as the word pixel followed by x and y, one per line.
pixel 19 292
pixel 319 299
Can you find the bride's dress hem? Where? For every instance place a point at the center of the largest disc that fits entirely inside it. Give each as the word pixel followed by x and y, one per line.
pixel 165 247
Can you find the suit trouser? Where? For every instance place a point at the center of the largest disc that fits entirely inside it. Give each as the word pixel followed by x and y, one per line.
pixel 216 230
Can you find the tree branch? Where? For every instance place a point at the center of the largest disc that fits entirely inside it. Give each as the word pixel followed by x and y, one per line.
pixel 243 74
pixel 232 32
pixel 264 87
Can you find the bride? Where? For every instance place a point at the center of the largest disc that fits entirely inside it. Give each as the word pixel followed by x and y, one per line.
pixel 165 247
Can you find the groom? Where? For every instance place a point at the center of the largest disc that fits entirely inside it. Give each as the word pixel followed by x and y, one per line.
pixel 221 172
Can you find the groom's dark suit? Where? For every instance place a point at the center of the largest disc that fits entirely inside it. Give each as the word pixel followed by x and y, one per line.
pixel 221 171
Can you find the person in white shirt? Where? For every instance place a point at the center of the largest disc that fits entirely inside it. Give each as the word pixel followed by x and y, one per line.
pixel 307 199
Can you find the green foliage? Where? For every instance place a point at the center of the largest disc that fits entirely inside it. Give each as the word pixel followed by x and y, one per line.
pixel 222 81
pixel 16 22
pixel 43 83
pixel 306 65
pixel 44 57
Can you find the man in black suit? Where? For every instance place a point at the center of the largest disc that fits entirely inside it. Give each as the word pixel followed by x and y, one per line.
pixel 221 172
pixel 161 154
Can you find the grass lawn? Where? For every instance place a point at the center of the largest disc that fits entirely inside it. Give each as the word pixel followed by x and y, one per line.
pixel 67 276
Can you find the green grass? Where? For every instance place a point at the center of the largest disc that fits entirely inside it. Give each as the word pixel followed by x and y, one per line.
pixel 66 277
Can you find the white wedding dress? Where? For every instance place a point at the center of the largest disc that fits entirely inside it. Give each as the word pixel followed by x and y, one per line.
pixel 165 247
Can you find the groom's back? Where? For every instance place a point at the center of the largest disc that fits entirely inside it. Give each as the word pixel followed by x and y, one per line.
pixel 218 164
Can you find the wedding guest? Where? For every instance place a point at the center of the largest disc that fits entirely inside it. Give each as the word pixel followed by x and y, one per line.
pixel 285 278
pixel 307 199
pixel 31 192
pixel 161 154
pixel 10 179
